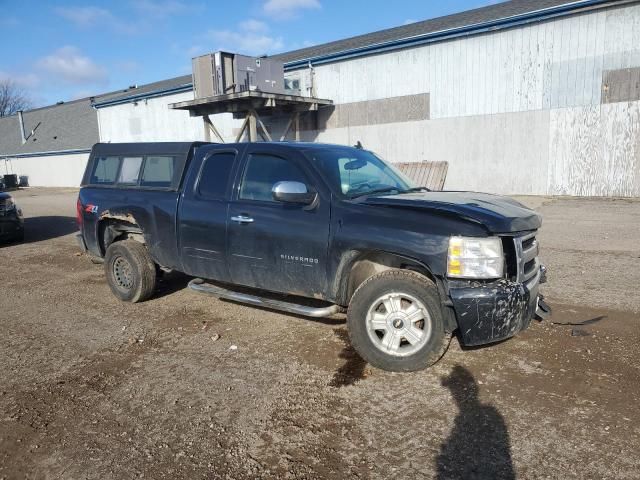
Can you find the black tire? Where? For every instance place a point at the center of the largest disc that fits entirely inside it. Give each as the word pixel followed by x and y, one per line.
pixel 400 282
pixel 130 271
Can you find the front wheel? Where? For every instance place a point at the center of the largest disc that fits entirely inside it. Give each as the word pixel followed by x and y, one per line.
pixel 395 321
pixel 130 271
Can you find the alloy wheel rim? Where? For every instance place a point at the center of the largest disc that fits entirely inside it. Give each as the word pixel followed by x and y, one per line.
pixel 398 324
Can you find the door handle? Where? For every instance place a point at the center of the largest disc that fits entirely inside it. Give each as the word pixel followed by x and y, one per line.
pixel 242 219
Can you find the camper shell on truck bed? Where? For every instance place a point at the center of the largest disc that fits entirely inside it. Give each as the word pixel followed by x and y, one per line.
pixel 316 223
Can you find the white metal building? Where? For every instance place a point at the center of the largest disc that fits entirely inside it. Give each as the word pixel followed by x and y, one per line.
pixel 524 97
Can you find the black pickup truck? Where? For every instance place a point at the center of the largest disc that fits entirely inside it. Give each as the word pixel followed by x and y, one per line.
pixel 316 230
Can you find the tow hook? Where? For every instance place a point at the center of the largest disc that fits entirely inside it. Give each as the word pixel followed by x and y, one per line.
pixel 542 309
pixel 543 274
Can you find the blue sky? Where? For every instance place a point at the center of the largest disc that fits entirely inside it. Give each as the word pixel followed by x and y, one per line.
pixel 71 49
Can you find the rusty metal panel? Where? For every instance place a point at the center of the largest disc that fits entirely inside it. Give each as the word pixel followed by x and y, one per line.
pixel 426 174
pixel 375 112
pixel 621 85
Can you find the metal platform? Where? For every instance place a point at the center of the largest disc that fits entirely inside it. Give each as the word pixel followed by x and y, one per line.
pixel 250 104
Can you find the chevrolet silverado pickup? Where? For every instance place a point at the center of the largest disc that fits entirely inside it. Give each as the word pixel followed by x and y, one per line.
pixel 316 230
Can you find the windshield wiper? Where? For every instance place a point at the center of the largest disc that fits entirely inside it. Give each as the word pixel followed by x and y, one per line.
pixel 416 189
pixel 377 190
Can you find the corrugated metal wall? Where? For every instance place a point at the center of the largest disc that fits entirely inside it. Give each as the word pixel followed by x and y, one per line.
pixel 550 108
pixel 515 111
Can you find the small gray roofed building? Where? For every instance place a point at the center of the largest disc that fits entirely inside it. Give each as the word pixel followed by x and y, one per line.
pixel 57 128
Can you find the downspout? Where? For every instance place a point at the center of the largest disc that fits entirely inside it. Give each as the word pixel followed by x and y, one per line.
pixel 312 83
pixel 21 122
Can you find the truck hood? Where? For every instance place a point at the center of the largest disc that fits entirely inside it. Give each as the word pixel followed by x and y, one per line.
pixel 498 214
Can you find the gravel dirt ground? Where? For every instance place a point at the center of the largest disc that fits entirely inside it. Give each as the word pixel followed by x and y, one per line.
pixel 186 386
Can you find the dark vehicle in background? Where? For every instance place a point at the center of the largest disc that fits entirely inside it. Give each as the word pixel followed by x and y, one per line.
pixel 315 230
pixel 11 219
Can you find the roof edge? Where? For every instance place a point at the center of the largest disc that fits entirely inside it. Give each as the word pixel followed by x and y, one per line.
pixel 466 30
pixel 416 40
pixel 143 96
pixel 9 156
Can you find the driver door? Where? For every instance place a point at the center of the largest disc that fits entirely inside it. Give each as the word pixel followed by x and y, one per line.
pixel 273 245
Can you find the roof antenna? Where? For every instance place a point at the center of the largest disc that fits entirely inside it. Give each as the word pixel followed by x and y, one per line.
pixel 358 145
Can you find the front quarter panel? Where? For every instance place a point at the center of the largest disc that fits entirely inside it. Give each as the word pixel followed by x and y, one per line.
pixel 418 235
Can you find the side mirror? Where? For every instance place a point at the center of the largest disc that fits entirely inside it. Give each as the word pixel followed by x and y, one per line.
pixel 293 192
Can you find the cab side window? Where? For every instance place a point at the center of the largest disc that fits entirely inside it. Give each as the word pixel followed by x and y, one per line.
pixel 214 176
pixel 263 171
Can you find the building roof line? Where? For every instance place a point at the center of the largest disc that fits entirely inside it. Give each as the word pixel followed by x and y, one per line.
pixel 142 96
pixel 510 21
pixel 9 156
pixel 445 34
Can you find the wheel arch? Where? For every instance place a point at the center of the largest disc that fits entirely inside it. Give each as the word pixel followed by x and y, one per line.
pixel 357 266
pixel 113 228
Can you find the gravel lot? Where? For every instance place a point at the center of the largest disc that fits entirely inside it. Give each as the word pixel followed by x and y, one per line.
pixel 93 388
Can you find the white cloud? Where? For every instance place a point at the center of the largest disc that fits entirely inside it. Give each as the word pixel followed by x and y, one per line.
pixel 92 17
pixel 246 42
pixel 85 16
pixel 23 80
pixel 285 9
pixel 252 38
pixel 161 8
pixel 69 66
pixel 253 25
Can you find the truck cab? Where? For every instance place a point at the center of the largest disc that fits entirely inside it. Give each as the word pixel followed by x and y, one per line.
pixel 329 228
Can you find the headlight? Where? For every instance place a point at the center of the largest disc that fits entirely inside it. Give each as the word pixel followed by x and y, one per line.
pixel 8 203
pixel 475 257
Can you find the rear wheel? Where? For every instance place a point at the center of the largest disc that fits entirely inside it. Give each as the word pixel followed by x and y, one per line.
pixel 395 321
pixel 130 271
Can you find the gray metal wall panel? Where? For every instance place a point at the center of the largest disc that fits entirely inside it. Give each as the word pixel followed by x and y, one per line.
pixel 621 85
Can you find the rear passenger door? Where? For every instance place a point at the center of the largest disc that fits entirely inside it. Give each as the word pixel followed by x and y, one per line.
pixel 203 215
pixel 273 245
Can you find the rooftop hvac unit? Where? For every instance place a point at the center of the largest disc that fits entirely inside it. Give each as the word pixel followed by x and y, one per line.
pixel 222 73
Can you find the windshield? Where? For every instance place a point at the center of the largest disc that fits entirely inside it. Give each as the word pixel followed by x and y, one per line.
pixel 354 172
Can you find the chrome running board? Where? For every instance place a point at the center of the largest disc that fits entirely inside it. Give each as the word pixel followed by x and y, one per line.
pixel 198 285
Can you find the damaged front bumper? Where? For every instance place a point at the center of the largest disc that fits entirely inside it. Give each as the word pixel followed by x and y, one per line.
pixel 490 312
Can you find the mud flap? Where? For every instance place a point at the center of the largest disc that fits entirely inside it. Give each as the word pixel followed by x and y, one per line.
pixel 542 309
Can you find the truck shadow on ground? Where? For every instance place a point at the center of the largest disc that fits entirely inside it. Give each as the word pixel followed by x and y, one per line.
pixel 478 445
pixel 38 229
pixel 170 283
pixel 354 368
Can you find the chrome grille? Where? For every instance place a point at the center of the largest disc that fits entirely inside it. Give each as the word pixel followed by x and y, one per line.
pixel 528 266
